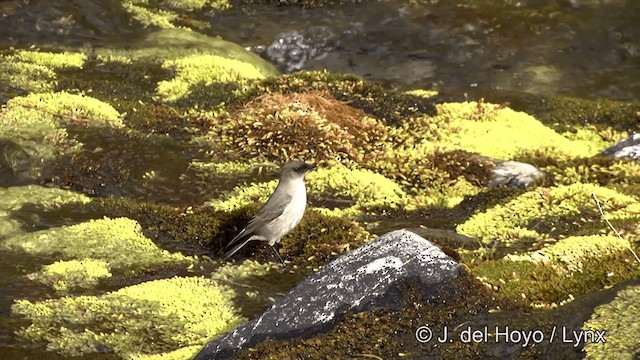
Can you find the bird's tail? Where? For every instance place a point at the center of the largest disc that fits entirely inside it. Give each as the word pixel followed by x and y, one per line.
pixel 236 248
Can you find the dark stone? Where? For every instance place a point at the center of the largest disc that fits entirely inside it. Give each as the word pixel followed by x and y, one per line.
pixel 368 277
pixel 627 148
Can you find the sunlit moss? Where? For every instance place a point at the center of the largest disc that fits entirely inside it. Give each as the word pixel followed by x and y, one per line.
pixel 181 354
pixel 568 254
pixel 227 168
pixel 491 130
pixel 435 178
pixel 36 132
pixel 34 71
pixel 15 197
pixel 119 242
pixel 366 189
pixel 148 318
pixel 537 214
pixel 168 13
pixel 619 319
pixel 71 108
pixel 140 11
pixel 27 76
pixel 51 60
pixel 65 276
pixel 203 70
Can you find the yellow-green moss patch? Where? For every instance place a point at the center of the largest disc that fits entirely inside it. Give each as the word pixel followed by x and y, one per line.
pixel 168 13
pixel 619 319
pixel 71 108
pixel 367 189
pixel 203 70
pixel 561 210
pixel 148 318
pixel 34 71
pixel 491 130
pixel 65 276
pixel 181 354
pixel 51 60
pixel 37 133
pixel 568 254
pixel 119 242
pixel 15 197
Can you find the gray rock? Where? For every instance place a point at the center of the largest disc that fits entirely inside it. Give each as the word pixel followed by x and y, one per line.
pixel 627 148
pixel 367 277
pixel 514 173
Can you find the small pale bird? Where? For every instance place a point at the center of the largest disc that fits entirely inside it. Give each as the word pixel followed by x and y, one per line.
pixel 280 214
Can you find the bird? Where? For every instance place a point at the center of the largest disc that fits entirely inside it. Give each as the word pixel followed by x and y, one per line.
pixel 280 214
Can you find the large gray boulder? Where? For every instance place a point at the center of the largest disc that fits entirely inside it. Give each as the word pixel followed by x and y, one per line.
pixel 367 277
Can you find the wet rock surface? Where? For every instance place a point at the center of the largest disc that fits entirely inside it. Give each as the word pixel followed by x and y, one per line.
pixel 365 278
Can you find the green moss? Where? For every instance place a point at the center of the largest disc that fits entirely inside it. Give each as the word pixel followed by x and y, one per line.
pixel 183 353
pixel 619 319
pixel 149 17
pixel 51 60
pixel 438 178
pixel 35 71
pixel 566 113
pixel 168 13
pixel 26 76
pixel 65 276
pixel 155 316
pixel 15 197
pixel 543 285
pixel 367 189
pixel 71 109
pixel 605 171
pixel 119 242
pixel 203 70
pixel 545 212
pixel 475 126
pixel 389 106
pixel 320 238
pixel 243 195
pixel 35 131
pixel 568 254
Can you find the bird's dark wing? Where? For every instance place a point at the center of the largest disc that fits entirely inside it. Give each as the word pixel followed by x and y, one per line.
pixel 273 208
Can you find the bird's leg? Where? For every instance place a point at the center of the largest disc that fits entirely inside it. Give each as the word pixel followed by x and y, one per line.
pixel 278 255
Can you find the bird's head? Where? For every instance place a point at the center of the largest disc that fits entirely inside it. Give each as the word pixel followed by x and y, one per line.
pixel 295 169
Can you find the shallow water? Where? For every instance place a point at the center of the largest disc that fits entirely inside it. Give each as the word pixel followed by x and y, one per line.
pixel 583 48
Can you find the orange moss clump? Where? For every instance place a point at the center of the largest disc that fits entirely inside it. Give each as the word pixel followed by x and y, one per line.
pixel 302 125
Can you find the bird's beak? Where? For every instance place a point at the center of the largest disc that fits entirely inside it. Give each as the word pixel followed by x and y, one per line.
pixel 309 167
